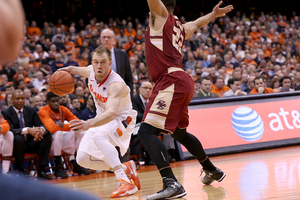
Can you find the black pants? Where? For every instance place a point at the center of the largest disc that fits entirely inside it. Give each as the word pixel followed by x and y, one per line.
pixel 22 146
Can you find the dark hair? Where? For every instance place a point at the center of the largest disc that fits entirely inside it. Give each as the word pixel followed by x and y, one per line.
pixel 232 80
pixel 285 77
pixel 204 78
pixel 50 95
pixel 170 5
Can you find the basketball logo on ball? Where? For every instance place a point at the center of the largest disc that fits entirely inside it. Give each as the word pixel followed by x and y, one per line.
pixel 61 83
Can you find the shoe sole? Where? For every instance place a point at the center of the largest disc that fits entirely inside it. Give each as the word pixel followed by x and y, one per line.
pixel 129 192
pixel 221 179
pixel 177 196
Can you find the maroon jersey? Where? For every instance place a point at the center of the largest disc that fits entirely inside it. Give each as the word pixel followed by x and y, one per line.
pixel 163 47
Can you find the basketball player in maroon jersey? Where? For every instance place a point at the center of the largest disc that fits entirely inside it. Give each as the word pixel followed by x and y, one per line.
pixel 167 109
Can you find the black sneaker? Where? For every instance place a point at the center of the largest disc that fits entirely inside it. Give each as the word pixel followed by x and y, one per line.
pixel 210 176
pixel 172 190
pixel 81 170
pixel 61 173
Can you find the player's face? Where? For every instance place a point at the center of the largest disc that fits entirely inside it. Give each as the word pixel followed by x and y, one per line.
pixel 101 65
pixel 54 104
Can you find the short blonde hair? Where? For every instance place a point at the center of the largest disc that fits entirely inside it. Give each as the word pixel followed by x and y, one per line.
pixel 101 50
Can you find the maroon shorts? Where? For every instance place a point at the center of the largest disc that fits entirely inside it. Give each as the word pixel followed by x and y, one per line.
pixel 168 105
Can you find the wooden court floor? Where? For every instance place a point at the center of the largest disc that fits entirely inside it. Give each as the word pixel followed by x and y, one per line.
pixel 266 174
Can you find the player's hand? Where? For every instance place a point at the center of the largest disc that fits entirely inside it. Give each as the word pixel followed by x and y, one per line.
pixel 78 125
pixel 67 69
pixel 221 12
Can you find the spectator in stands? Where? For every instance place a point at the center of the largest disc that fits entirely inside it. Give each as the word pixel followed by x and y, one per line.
pixel 71 60
pixel 219 87
pixel 33 30
pixel 57 64
pixel 8 102
pixel 122 38
pixel 39 80
pixel 79 92
pixel 6 144
pixel 206 86
pixel 191 62
pixel 29 134
pixel 75 106
pixel 296 82
pixel 53 117
pixel 275 84
pixel 90 110
pixel 59 44
pixel 259 86
pixel 39 49
pixel 235 88
pixel 45 68
pixel 37 102
pixel 286 84
pixel 8 70
pixel 3 82
pixel 22 59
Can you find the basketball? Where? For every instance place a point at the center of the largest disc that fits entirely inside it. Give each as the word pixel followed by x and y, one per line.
pixel 61 83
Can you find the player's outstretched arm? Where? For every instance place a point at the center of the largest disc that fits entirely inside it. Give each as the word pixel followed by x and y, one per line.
pixel 157 8
pixel 83 71
pixel 115 91
pixel 12 29
pixel 192 26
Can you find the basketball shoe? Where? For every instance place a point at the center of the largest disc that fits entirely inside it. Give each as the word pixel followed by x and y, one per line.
pixel 210 176
pixel 124 189
pixel 172 190
pixel 132 173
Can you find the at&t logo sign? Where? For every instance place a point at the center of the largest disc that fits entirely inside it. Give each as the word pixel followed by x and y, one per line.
pixel 247 123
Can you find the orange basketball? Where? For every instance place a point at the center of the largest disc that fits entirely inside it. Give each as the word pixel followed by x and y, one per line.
pixel 61 83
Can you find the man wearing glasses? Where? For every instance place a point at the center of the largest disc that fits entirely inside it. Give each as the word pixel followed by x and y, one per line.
pixel 120 60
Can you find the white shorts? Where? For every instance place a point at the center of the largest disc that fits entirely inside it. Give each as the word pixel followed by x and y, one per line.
pixel 116 132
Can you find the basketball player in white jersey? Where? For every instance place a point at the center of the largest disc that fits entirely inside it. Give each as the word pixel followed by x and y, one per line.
pixel 112 126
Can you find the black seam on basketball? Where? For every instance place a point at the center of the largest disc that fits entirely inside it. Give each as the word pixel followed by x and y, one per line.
pixel 60 77
pixel 62 84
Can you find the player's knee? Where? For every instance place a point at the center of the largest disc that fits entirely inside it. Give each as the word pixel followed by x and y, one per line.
pixel 82 159
pixel 147 129
pixel 9 137
pixel 179 134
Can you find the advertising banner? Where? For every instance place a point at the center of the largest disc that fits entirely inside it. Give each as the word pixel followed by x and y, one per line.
pixel 245 124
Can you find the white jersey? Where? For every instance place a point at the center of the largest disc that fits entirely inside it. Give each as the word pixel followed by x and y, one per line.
pixel 118 130
pixel 99 93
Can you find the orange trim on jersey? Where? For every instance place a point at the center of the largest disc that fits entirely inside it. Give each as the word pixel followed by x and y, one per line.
pixel 120 133
pixel 104 79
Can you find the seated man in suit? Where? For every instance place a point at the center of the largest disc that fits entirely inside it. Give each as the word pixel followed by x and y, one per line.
pixel 205 90
pixel 6 144
pixel 53 116
pixel 29 134
pixel 139 103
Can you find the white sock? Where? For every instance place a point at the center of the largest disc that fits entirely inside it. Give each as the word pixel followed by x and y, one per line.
pixel 124 167
pixel 120 174
pixel 5 166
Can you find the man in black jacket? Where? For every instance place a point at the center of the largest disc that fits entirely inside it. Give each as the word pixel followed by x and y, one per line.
pixel 139 102
pixel 29 134
pixel 120 60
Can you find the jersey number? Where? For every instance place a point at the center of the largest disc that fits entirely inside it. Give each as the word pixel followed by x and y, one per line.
pixel 177 38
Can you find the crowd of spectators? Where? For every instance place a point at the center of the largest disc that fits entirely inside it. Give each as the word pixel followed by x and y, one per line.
pixel 242 47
